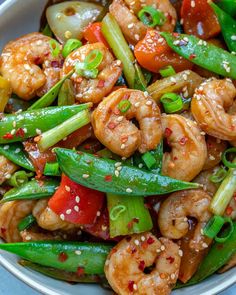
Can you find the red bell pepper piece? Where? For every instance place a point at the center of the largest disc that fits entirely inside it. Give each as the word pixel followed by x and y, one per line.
pixel 76 203
pixel 93 34
pixel 199 19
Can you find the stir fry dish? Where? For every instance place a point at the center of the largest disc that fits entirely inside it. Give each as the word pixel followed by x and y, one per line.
pixel 118 142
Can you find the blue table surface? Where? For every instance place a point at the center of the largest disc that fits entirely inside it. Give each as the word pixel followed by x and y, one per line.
pixel 19 288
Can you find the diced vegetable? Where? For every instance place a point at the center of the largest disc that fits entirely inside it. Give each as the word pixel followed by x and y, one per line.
pixel 167 71
pixel 204 54
pixel 68 19
pixel 53 136
pixel 93 172
pixel 76 203
pixel 5 93
pixel 15 153
pixel 32 190
pixel 93 34
pixel 52 169
pixel 127 215
pixel 82 258
pixel 199 19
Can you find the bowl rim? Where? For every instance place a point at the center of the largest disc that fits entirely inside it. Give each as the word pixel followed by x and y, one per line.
pixel 33 283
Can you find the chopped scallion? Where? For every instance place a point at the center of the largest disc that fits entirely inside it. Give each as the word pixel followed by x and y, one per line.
pixel 167 71
pixel 172 102
pixel 149 160
pixel 70 46
pixel 213 226
pixel 124 105
pixel 116 211
pixel 228 233
pixel 19 178
pixel 55 47
pixel 218 176
pixel 26 222
pixel 52 169
pixel 93 59
pixel 151 17
pixel 225 161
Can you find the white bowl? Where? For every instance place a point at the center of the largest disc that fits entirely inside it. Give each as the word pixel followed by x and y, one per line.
pixel 18 17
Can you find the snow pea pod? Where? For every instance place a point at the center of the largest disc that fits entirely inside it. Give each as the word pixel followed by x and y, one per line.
pixel 15 153
pixel 228 6
pixel 218 256
pixel 32 190
pixel 87 258
pixel 62 275
pixel 92 172
pixel 18 127
pixel 202 53
pixel 228 26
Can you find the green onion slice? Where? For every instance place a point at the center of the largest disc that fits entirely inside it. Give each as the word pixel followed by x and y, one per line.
pixel 218 176
pixel 93 59
pixel 225 161
pixel 151 17
pixel 55 47
pixel 26 222
pixel 70 46
pixel 52 169
pixel 19 178
pixel 229 231
pixel 124 105
pixel 213 226
pixel 167 71
pixel 116 211
pixel 172 102
pixel 149 160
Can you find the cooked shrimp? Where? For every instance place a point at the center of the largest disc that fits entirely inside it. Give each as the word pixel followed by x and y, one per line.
pixel 29 235
pixel 125 13
pixel 209 107
pixel 114 130
pixel 7 168
pixel 49 220
pixel 93 90
pixel 203 178
pixel 11 213
pixel 126 262
pixel 20 63
pixel 189 151
pixel 173 213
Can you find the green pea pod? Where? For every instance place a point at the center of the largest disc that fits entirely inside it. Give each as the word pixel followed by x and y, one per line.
pixel 68 256
pixel 158 155
pixel 228 26
pixel 32 190
pixel 48 98
pixel 26 222
pixel 218 256
pixel 62 275
pixel 27 124
pixel 66 94
pixel 228 6
pixel 15 153
pixel 91 171
pixel 202 53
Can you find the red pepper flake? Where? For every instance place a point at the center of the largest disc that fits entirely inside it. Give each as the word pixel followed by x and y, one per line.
pixel 175 34
pixel 8 136
pixel 192 56
pixel 175 158
pixel 108 178
pixel 141 265
pixel 113 250
pixel 101 83
pixel 133 250
pixel 229 210
pixel 162 276
pixel 80 271
pixel 62 257
pixel 37 60
pixel 167 132
pixel 55 64
pixel 234 196
pixel 126 96
pixel 183 140
pixel 3 230
pixel 232 127
pixel 111 125
pixel 20 132
pixel 124 138
pixel 170 259
pixel 131 223
pixel 87 147
pixel 116 111
pixel 128 239
pixel 150 240
pixel 131 286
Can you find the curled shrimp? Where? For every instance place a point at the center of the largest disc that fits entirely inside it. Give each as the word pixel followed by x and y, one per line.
pixel 125 265
pixel 7 168
pixel 125 13
pixel 49 220
pixel 11 213
pixel 20 63
pixel 114 130
pixel 188 148
pixel 209 107
pixel 93 90
pixel 173 213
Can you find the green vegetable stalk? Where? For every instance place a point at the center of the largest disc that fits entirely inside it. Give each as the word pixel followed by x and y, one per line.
pixel 203 54
pixel 92 172
pixel 84 258
pixel 26 222
pixel 127 215
pixel 32 190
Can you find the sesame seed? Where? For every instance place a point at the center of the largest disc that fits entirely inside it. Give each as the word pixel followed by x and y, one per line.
pixel 104 227
pixel 62 216
pixel 78 252
pixel 39 42
pixel 27 67
pixel 172 79
pixel 38 131
pixel 68 34
pixel 107 262
pixel 123 158
pixel 119 168
pixel 172 276
pixel 120 118
pixel 140 165
pixel 8 176
pixel 122 146
pixel 135 287
pixel 163 247
pixel 130 26
pixel 118 164
pixel 28 238
pixel 117 173
pixel 145 93
pixel 76 208
pixel 204 245
pixel 136 36
pixel 68 211
pixel 67 188
pixel 14 124
pixel 212 158
pixel 17 150
pixel 13 131
pixel 149 103
pixel 25 130
pixel 85 175
pixel 185 219
pixel 181 21
pixel 128 190
pixel 6 147
pixel 136 242
pixel 185 77
pixel 118 62
pixel 77 199
pixel 142 238
pixel 180 253
pixel 192 4
pixel 98 213
pixel 176 42
pixel 160 40
pixel 233 37
pixel 158 250
pixel 137 104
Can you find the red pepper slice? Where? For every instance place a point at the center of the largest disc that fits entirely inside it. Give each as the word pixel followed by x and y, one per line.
pixel 153 53
pixel 93 34
pixel 76 203
pixel 199 19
